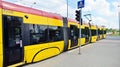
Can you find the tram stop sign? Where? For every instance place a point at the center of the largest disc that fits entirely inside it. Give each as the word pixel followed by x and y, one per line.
pixel 81 4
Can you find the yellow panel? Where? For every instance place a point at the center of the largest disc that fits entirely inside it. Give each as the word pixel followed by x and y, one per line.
pixel 55 22
pixel 94 38
pixel 83 26
pixel 50 49
pixel 104 35
pixel 1 61
pixel 93 27
pixel 82 41
pixel 101 36
pixel 69 44
pixel 1 50
pixel 31 50
pixel 46 54
pixel 35 19
pixel 72 23
pixel 59 44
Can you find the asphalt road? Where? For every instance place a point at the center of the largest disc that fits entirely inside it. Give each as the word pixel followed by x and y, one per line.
pixel 103 53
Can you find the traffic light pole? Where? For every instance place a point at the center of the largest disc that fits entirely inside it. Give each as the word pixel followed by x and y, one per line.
pixel 80 5
pixel 119 17
pixel 80 29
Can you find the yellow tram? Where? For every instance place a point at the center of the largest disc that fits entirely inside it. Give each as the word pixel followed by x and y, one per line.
pixel 29 35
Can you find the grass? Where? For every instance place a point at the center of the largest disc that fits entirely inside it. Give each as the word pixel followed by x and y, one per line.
pixel 116 34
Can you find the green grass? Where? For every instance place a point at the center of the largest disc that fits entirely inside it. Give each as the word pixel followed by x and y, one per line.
pixel 116 34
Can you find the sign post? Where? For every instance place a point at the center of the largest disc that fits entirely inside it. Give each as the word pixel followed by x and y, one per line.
pixel 80 5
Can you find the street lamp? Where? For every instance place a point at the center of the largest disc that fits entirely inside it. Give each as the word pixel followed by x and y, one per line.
pixel 119 18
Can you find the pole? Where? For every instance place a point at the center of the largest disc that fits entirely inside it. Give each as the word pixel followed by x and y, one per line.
pixel 67 8
pixel 80 30
pixel 119 18
pixel 119 22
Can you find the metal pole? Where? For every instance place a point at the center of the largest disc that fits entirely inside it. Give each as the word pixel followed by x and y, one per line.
pixel 67 8
pixel 119 18
pixel 119 22
pixel 80 30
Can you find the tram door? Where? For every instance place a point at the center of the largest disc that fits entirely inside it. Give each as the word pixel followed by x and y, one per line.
pixel 74 35
pixel 87 34
pixel 12 40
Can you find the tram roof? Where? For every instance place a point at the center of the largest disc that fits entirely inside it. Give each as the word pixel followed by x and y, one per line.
pixel 19 8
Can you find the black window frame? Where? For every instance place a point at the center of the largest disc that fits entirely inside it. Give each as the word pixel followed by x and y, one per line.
pixel 55 33
pixel 36 34
pixel 93 32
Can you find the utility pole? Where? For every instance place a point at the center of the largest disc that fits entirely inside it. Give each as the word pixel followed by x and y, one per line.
pixel 80 5
pixel 67 8
pixel 80 30
pixel 119 18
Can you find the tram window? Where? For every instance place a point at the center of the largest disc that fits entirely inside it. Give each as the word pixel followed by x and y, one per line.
pixel 93 32
pixel 43 33
pixel 82 33
pixel 74 31
pixel 104 31
pixel 38 34
pixel 98 31
pixel 55 33
pixel 101 31
pixel 12 30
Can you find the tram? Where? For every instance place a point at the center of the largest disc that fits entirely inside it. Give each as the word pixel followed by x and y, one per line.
pixel 29 35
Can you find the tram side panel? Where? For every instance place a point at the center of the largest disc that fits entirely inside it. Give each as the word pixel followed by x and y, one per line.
pixel 50 44
pixel 32 33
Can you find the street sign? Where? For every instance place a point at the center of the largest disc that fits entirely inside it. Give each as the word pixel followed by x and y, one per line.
pixel 81 3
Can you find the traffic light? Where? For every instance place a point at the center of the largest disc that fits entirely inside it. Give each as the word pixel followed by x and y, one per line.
pixel 77 15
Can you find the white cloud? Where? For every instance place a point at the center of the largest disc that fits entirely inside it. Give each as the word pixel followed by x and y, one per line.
pixel 100 21
pixel 100 9
pixel 103 14
pixel 54 6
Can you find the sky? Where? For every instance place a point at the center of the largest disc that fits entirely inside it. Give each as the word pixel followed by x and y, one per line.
pixel 103 12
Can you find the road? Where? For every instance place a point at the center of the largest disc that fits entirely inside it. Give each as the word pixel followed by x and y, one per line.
pixel 103 53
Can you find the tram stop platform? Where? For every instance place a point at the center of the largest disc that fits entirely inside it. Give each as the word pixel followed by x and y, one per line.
pixel 103 53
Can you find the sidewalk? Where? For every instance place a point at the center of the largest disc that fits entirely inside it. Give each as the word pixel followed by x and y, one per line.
pixel 103 53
